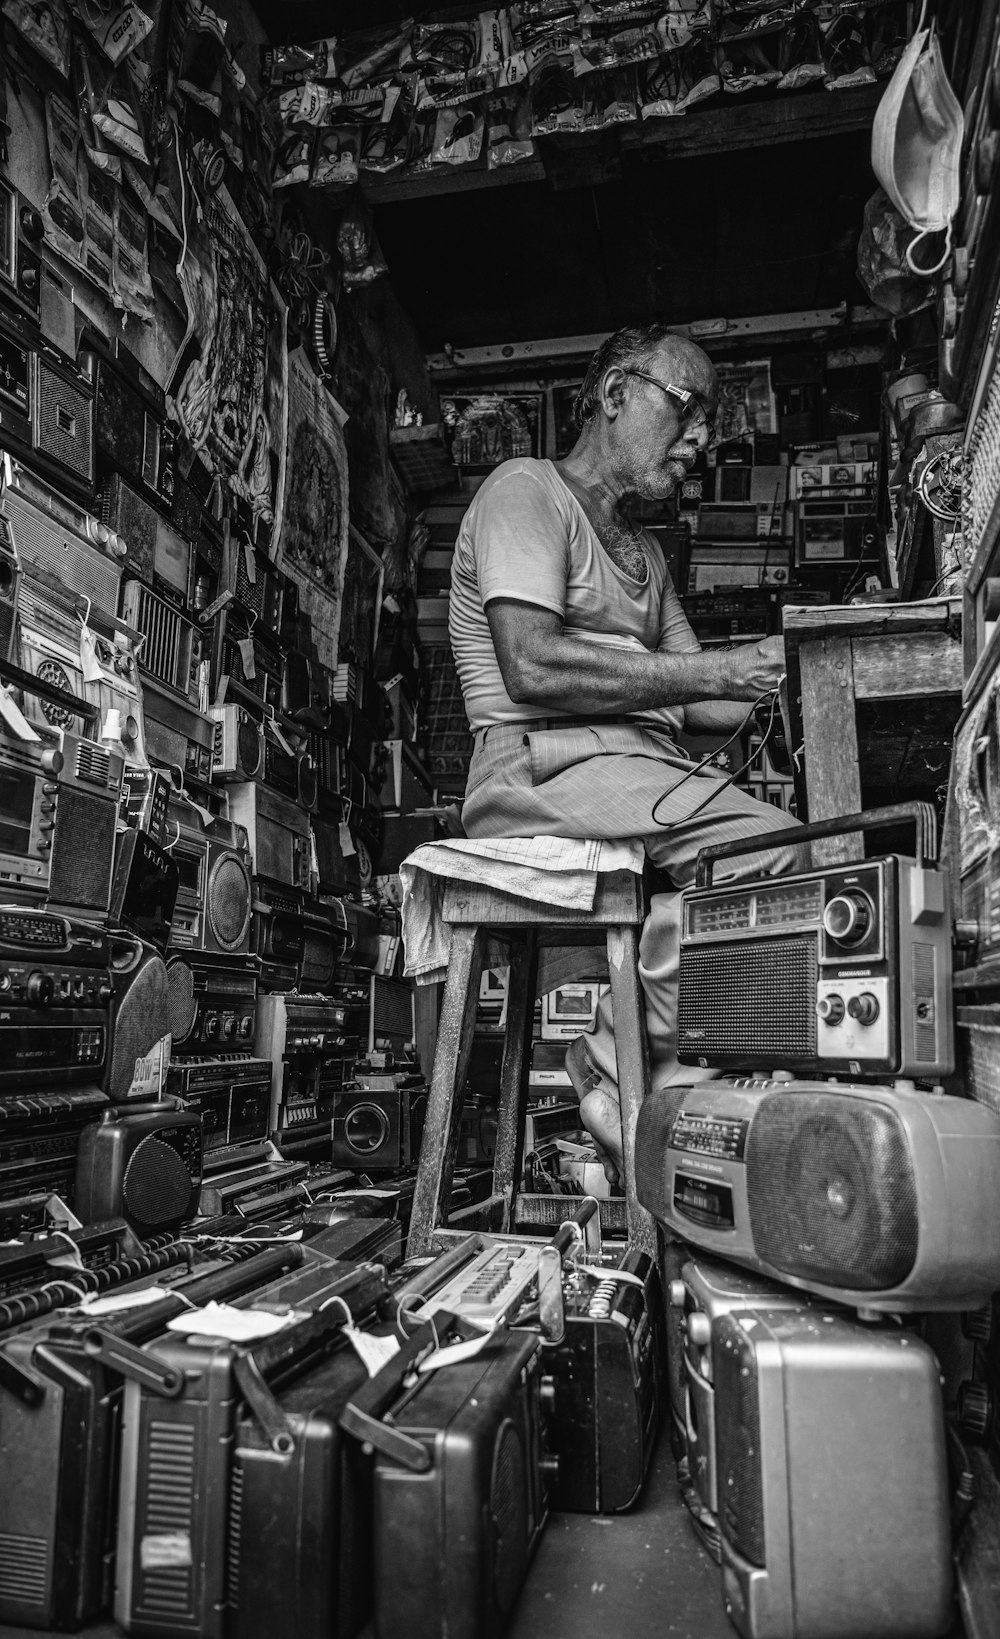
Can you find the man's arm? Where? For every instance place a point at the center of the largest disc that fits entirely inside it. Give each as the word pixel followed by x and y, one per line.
pixel 544 668
pixel 715 716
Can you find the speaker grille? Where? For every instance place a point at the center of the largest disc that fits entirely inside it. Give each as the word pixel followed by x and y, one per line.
pixel 248 745
pixel 508 1507
pixel 228 901
pixel 157 1184
pixel 754 999
pixel 65 422
pixel 24 1569
pixel 84 852
pixel 925 1029
pixel 832 1190
pixel 737 1443
pixel 143 1013
pixel 182 1007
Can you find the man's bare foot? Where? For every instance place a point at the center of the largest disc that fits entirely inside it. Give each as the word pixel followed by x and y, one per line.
pixel 600 1109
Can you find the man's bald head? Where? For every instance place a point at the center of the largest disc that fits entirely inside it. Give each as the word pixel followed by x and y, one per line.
pixel 653 348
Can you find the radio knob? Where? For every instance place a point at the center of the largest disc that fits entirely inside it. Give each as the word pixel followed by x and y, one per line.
pixel 44 845
pixel 32 225
pixel 975 1408
pixel 864 1008
pixel 699 1329
pixel 40 989
pixel 848 917
pixel 229 1027
pixel 28 279
pixel 677 1293
pixel 547 1393
pixel 104 992
pixel 52 762
pixel 245 1027
pixel 830 1009
pixel 211 1025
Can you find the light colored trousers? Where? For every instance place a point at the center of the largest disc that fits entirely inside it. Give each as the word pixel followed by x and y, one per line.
pixel 604 782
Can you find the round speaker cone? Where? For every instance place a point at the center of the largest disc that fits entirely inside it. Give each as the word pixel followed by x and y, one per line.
pixel 157 1185
pixel 182 1007
pixel 366 1128
pixel 508 1506
pixel 228 901
pixel 143 1013
pixel 249 747
pixel 50 671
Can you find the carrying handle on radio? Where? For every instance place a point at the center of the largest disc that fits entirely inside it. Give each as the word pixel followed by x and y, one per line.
pixel 921 814
pixel 49 692
pixel 362 1416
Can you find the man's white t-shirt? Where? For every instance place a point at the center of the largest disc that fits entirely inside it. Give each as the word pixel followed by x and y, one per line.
pixel 526 537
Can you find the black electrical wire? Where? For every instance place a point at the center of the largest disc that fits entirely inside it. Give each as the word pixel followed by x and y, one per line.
pixel 719 786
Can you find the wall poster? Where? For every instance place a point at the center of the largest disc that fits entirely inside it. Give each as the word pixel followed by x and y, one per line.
pixel 312 546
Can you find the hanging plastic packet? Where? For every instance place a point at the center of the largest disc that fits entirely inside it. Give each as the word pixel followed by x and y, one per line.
pixel 358 246
pixel 697 73
pixel 203 55
pixel 556 96
pixel 373 54
pixel 845 53
pixel 230 116
pixel 44 26
pixel 118 29
pixel 384 146
pixel 683 19
pixel 749 62
pixel 458 136
pixel 114 106
pixel 314 104
pixel 800 54
pixel 282 66
pixel 619 45
pixel 887 37
pixel 335 156
pixel 658 87
pixel 292 159
pixel 882 265
pixel 420 141
pixel 508 128
pixel 102 156
pixel 609 99
pixel 537 23
pixel 132 286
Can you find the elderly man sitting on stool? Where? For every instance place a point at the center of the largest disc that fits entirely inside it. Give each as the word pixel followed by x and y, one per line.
pixel 579 669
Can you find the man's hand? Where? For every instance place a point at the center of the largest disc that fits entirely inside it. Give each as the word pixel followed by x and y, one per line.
pixel 757 668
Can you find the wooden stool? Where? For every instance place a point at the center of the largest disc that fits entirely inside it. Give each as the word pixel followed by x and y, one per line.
pixel 478 915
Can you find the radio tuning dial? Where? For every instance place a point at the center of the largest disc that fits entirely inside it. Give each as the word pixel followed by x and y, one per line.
pixel 699 1329
pixel 245 1027
pixel 864 1008
pixel 848 917
pixel 40 989
pixel 830 1009
pixel 677 1293
pixel 104 992
pixel 52 761
pixel 28 279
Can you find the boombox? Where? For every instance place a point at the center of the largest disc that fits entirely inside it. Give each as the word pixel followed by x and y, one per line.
pixel 309 1091
pixel 55 985
pixel 213 1001
pixel 158 554
pixel 46 410
pixel 95 662
pixel 143 1165
pixel 58 1505
pixel 378 1122
pixel 872 1196
pixel 324 940
pixel 133 435
pixel 21 229
pixel 290 772
pixel 460 1485
pixel 278 933
pixel 252 661
pixel 232 1092
pixel 177 1450
pixel 145 798
pixel 830 529
pixel 214 895
pixel 40 1138
pixel 336 857
pixel 144 889
pixel 844 969
pixel 59 543
pixel 10 577
pixel 278 831
pixel 60 806
pixel 289 1027
pixel 256 586
pixel 174 647
pixel 834 1498
pixel 239 743
pixel 177 735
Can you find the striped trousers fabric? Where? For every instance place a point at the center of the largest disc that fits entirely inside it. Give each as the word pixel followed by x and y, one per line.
pixel 605 781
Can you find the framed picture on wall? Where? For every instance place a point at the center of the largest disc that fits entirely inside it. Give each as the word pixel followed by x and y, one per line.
pixel 361 601
pixel 487 428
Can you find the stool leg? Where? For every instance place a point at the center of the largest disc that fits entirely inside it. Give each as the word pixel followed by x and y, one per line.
pixel 508 1158
pixel 444 1106
pixel 632 1050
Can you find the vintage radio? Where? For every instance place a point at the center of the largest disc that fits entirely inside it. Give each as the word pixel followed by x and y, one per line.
pixel 158 554
pixel 140 1020
pixel 174 648
pixel 797 1397
pixel 143 1165
pixel 144 888
pixel 252 662
pixel 182 1426
pixel 548 1072
pixel 256 586
pixel 145 798
pixel 58 807
pixel 278 933
pixel 278 831
pixel 213 1001
pixel 46 410
pixel 214 894
pixel 60 1409
pixel 58 542
pixel 571 1009
pixel 55 984
pixel 281 764
pixel 363 702
pixel 247 1179
pixel 239 744
pixel 871 1196
pixel 232 1092
pixel 324 928
pixel 177 735
pixel 859 955
pixel 378 1122
pixel 362 947
pixel 95 661
pixel 337 866
pixel 21 230
pixel 299 699
pixel 981 520
pixel 132 432
pixel 292 1026
pixel 27 1263
pixel 307 1105
pixel 460 1486
pixel 40 1137
pixel 10 577
pixel 829 529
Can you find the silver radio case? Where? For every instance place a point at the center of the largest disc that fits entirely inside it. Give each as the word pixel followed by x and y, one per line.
pixel 278 830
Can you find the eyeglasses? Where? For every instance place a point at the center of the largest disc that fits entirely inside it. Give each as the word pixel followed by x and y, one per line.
pixel 695 415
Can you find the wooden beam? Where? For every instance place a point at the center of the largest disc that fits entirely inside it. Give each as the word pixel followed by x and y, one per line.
pixel 896 667
pixel 830 738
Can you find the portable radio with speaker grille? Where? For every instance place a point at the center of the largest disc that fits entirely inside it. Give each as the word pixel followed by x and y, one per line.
pixel 252 661
pixel 95 660
pixel 158 554
pixel 174 647
pixel 378 1121
pixel 46 410
pixel 140 1019
pixel 40 1138
pixel 460 1486
pixel 278 933
pixel 232 1091
pixel 283 770
pixel 59 543
pixel 143 1164
pixel 10 576
pixel 21 230
pixel 843 969
pixel 55 990
pixel 256 585
pixel 278 831
pixel 144 889
pixel 58 810
pixel 213 1001
pixel 307 1105
pixel 871 1196
pixel 145 798
pixel 830 529
pixel 132 432
pixel 337 866
pixel 214 894
pixel 239 744
pixel 178 736
pixel 60 1416
pixel 324 939
pixel 835 1503
pixel 177 1450
pixel 298 1029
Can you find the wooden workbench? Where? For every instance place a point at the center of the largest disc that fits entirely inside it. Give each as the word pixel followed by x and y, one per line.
pixel 874 692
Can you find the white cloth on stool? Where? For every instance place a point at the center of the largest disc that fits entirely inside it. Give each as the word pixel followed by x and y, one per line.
pixel 559 871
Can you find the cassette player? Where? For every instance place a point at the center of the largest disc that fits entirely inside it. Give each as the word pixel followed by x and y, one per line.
pixel 292 1025
pixel 132 432
pixel 233 1093
pixel 21 230
pixel 46 409
pixel 55 991
pixel 213 1001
